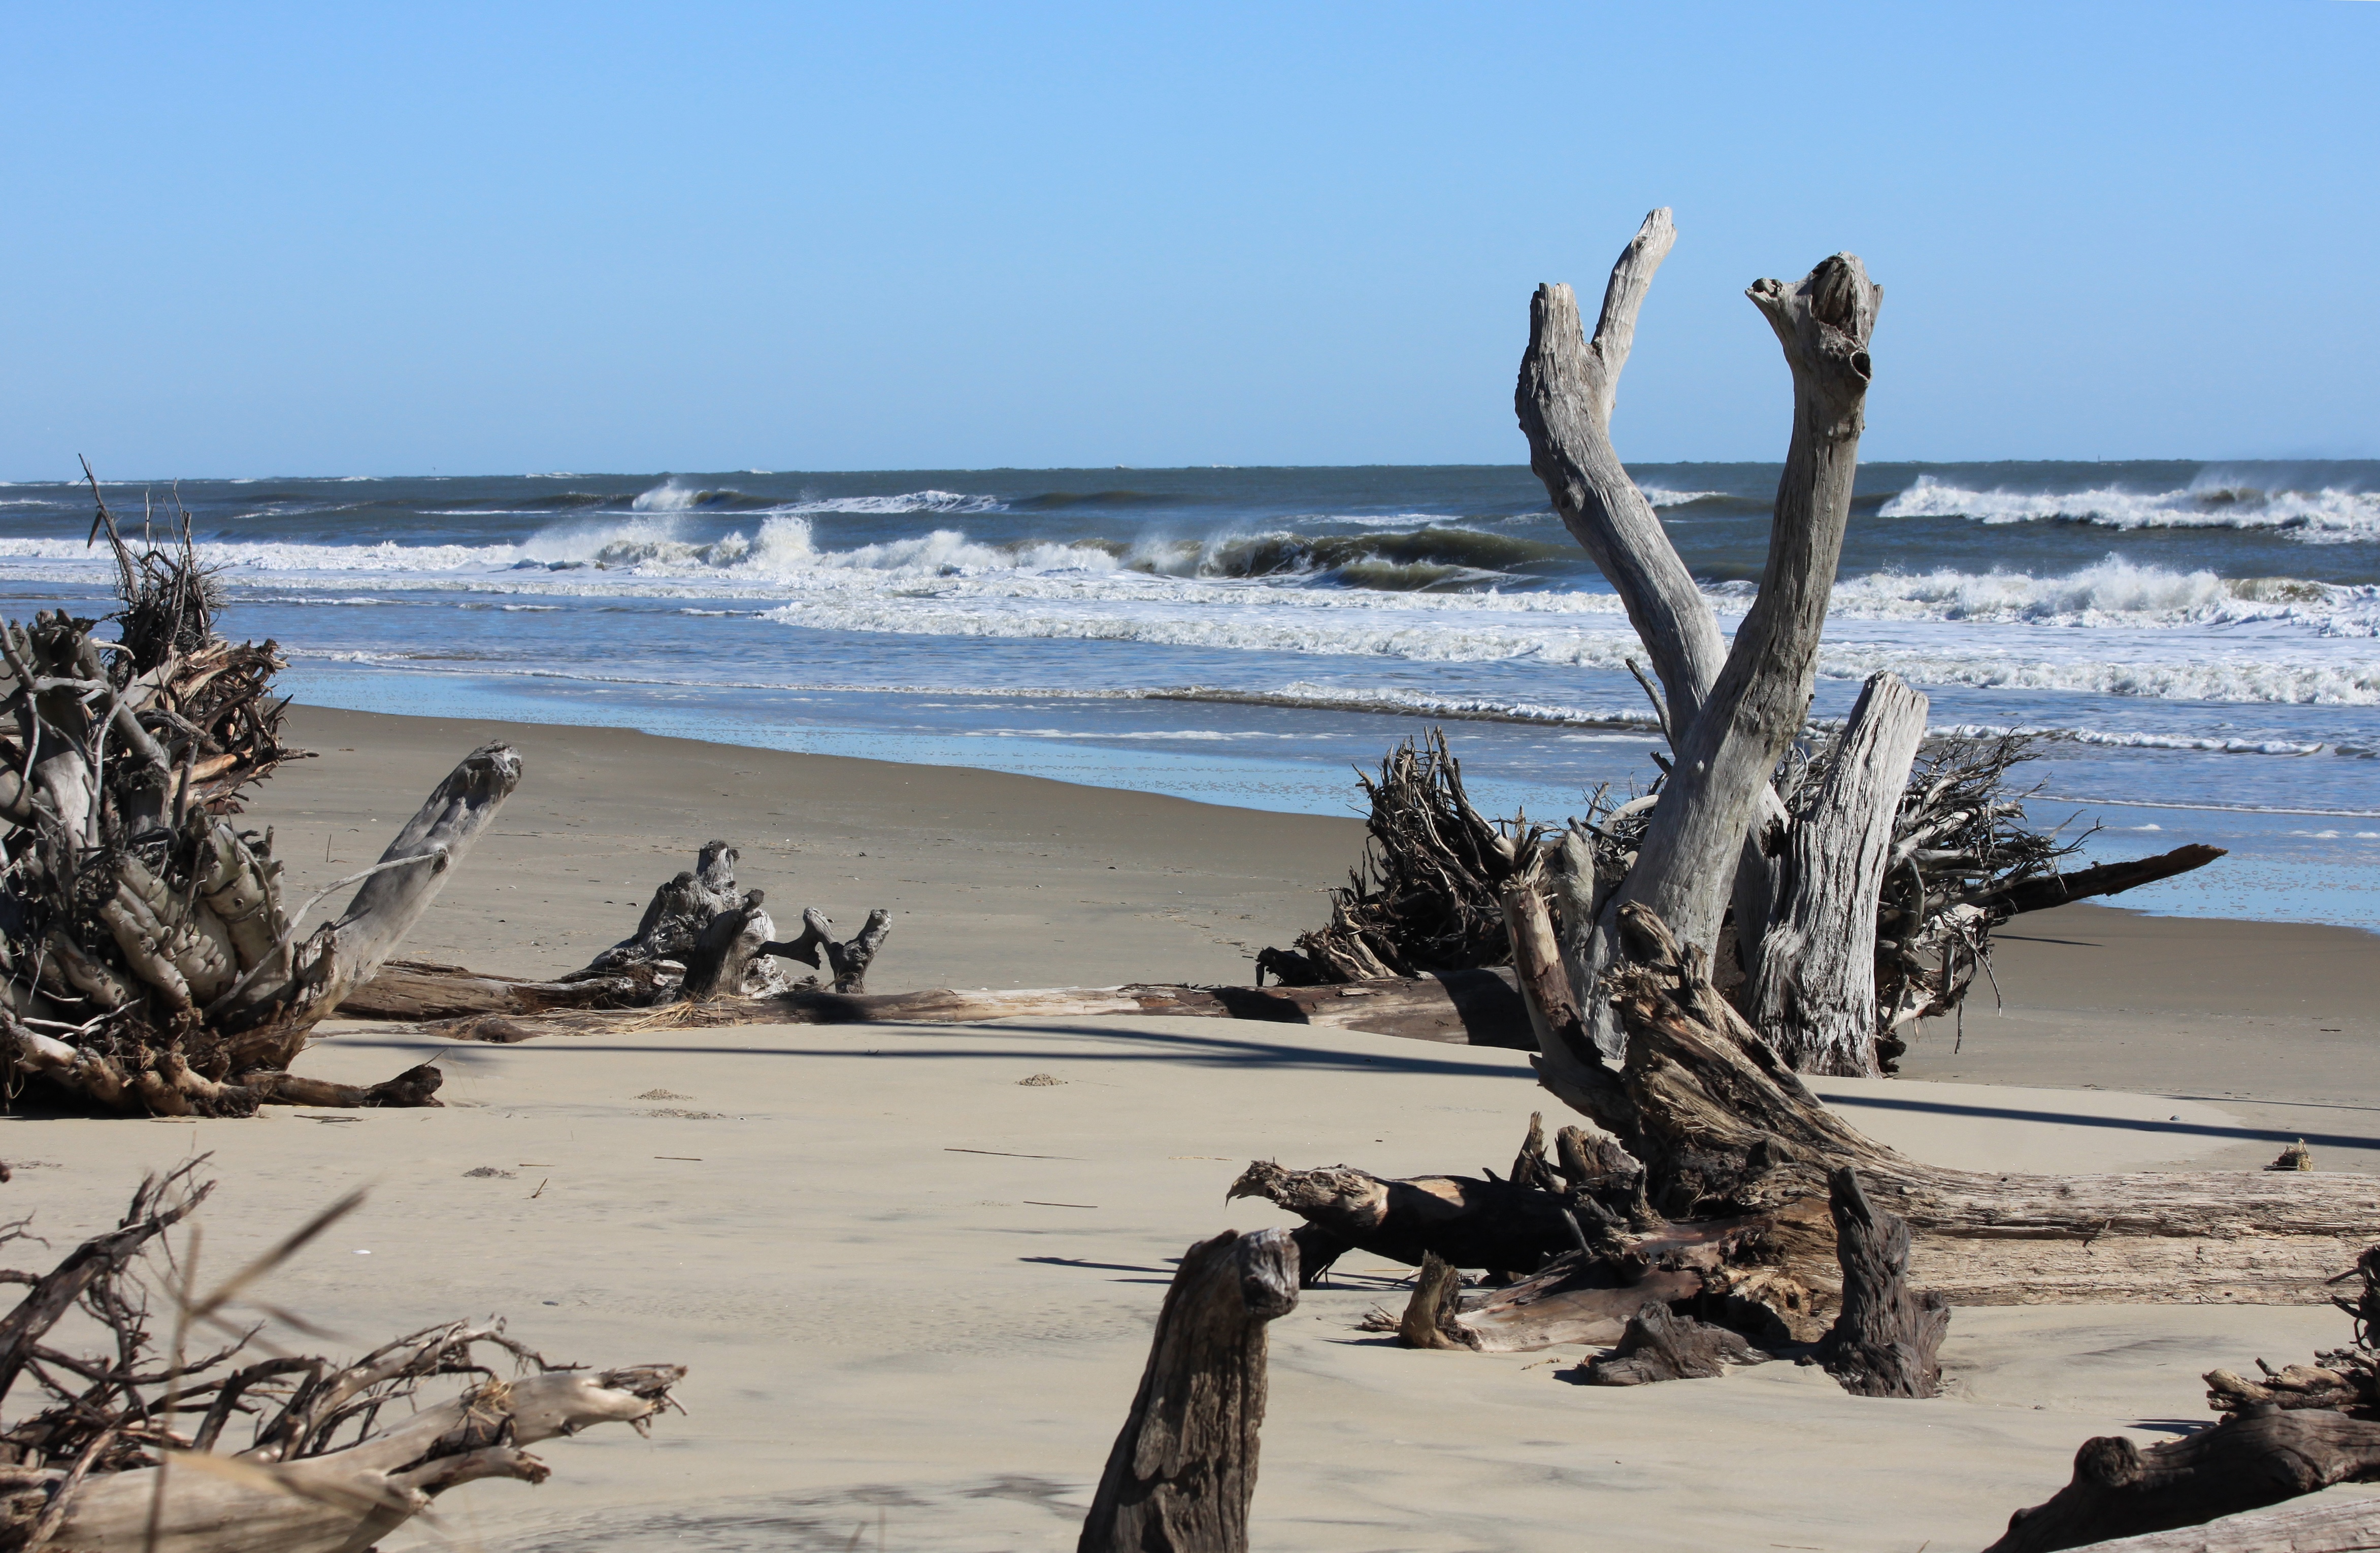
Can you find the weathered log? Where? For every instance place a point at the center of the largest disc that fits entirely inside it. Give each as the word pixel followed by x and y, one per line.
pixel 1724 1128
pixel 414 989
pixel 2333 1525
pixel 673 919
pixel 284 996
pixel 2120 1490
pixel 1661 1345
pixel 1813 993
pixel 2103 879
pixel 1463 1221
pixel 1887 1339
pixel 1184 1468
pixel 1578 1299
pixel 1476 1008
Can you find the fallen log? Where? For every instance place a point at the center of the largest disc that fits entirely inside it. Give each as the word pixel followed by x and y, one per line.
pixel 1476 1008
pixel 2120 1490
pixel 2333 1525
pixel 1183 1467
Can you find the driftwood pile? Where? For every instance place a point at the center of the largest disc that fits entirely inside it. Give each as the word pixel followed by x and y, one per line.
pixel 151 963
pixel 1962 858
pixel 1181 1476
pixel 132 1446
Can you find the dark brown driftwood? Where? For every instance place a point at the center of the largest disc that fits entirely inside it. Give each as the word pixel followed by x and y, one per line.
pixel 1429 1320
pixel 1661 1345
pixel 1466 1221
pixel 2120 1490
pixel 2346 1379
pixel 1185 1465
pixel 1887 1337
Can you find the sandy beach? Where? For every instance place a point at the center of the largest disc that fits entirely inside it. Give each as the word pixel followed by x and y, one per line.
pixel 915 1293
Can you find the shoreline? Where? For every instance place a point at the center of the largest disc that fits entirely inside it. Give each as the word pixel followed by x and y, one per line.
pixel 1003 880
pixel 908 1283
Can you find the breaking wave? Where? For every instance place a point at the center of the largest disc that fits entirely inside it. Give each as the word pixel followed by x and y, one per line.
pixel 2327 516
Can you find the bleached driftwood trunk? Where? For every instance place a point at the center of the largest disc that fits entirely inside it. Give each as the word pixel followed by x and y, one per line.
pixel 1183 1467
pixel 347 1500
pixel 1688 862
pixel 1813 994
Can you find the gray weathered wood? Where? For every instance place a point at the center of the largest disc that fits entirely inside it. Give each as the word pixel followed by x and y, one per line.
pixel 1687 863
pixel 1887 1340
pixel 2330 1525
pixel 1813 993
pixel 1568 387
pixel 274 1010
pixel 1185 1465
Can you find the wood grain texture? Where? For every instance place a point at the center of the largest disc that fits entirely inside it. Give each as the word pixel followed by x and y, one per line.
pixel 1813 994
pixel 1183 1467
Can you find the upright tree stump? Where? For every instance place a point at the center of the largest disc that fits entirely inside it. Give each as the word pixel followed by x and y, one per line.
pixel 1887 1337
pixel 1184 1466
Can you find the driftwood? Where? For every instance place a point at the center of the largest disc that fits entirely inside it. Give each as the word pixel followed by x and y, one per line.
pixel 2120 1490
pixel 149 962
pixel 129 1451
pixel 2334 1525
pixel 1185 1465
pixel 1423 898
pixel 1476 1008
pixel 1813 996
pixel 699 941
pixel 1724 1129
pixel 2346 1379
pixel 1463 1221
pixel 1887 1339
pixel 1660 1345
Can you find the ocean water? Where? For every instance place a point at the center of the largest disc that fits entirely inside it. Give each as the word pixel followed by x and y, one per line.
pixel 2204 640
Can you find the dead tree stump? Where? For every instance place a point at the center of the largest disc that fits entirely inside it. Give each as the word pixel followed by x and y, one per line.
pixel 1887 1338
pixel 2120 1490
pixel 1184 1466
pixel 1429 1320
pixel 1662 1345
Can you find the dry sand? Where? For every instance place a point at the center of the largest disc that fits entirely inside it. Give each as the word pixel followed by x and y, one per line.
pixel 915 1292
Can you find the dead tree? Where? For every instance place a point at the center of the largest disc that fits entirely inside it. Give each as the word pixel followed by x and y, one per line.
pixel 1813 995
pixel 1423 898
pixel 1185 1465
pixel 150 962
pixel 699 941
pixel 129 1449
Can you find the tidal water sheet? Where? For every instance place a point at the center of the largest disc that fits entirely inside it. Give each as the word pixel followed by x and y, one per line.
pixel 2204 640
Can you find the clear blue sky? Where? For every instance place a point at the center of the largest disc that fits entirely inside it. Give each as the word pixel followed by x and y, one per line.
pixel 380 239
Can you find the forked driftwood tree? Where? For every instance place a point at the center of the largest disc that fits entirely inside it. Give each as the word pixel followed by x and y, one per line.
pixel 132 1448
pixel 1729 1146
pixel 151 963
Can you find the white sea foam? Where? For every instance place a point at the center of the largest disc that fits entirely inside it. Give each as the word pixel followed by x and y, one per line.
pixel 2329 516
